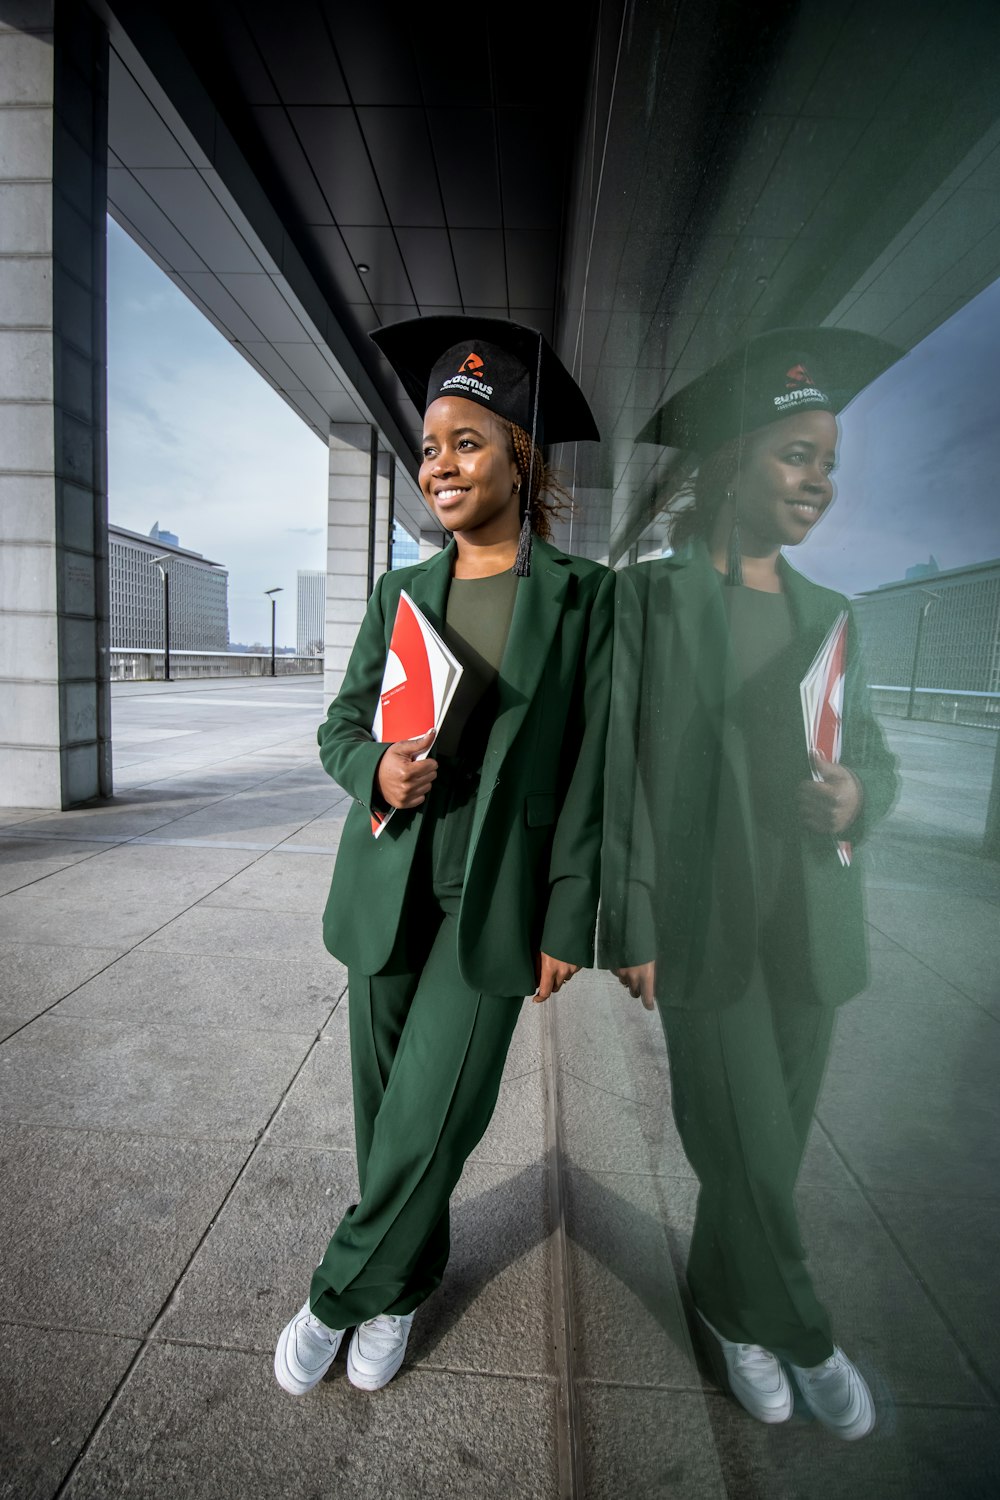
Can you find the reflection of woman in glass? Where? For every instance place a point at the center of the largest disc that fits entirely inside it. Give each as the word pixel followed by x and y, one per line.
pixel 484 886
pixel 724 895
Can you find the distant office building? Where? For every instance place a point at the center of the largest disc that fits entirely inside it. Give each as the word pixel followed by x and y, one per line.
pixel 960 640
pixel 404 549
pixel 199 594
pixel 310 598
pixel 159 535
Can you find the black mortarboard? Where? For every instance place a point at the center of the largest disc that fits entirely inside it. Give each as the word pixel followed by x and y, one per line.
pixel 501 365
pixel 768 377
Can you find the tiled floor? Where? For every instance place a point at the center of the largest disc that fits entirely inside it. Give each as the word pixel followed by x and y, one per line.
pixel 177 1143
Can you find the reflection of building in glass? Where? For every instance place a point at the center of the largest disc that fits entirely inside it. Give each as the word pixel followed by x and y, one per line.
pixel 404 549
pixel 960 642
pixel 199 595
pixel 310 612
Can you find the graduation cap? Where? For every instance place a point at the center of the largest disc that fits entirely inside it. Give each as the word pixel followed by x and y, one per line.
pixel 770 376
pixel 501 365
pixel 511 370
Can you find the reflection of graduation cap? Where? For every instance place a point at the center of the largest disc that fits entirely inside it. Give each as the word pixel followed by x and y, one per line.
pixel 770 376
pixel 500 365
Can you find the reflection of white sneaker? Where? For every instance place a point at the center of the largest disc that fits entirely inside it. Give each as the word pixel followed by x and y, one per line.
pixel 376 1350
pixel 305 1351
pixel 836 1394
pixel 756 1378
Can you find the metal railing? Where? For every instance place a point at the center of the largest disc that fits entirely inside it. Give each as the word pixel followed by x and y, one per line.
pixel 147 666
pixel 939 705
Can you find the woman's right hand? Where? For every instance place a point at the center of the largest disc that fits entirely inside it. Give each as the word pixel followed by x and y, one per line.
pixel 403 780
pixel 640 981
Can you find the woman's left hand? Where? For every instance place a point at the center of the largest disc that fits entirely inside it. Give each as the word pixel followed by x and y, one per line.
pixel 552 974
pixel 833 804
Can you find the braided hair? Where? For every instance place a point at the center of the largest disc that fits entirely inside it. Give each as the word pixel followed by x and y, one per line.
pixel 537 481
pixel 692 508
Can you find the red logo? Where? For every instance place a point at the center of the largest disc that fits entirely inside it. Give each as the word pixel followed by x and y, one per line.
pixel 471 365
pixel 797 377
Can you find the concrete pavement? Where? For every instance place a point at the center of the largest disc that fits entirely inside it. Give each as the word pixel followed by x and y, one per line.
pixel 177 1143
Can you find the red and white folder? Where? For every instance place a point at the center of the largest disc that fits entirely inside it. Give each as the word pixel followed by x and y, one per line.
pixel 418 684
pixel 822 690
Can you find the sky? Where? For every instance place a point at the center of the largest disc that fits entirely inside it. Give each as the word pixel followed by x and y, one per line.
pixel 200 443
pixel 918 470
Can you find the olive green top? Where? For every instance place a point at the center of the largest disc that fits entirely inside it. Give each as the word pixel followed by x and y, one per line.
pixel 477 623
pixel 767 711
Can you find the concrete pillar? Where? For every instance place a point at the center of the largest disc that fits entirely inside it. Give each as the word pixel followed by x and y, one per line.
pixel 349 532
pixel 54 694
pixel 432 539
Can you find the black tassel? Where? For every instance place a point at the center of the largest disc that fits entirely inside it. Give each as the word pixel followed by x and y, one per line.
pixel 522 562
pixel 734 558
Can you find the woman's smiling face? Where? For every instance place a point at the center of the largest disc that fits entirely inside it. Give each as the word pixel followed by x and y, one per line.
pixel 467 469
pixel 784 484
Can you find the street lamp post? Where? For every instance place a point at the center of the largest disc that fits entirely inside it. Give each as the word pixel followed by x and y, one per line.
pixel 271 593
pixel 932 598
pixel 159 561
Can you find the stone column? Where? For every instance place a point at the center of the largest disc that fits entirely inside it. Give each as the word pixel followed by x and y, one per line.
pixel 54 708
pixel 349 535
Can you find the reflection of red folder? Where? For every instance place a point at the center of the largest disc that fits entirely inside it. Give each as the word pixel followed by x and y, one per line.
pixel 822 690
pixel 418 684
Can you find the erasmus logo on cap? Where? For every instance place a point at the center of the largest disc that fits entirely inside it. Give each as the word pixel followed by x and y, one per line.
pixel 800 390
pixel 470 379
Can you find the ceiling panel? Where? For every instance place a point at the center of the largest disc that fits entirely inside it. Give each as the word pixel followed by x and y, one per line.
pixel 464 142
pixel 400 149
pixel 428 258
pixel 386 279
pixel 297 52
pixel 333 142
pixel 479 259
pixel 291 163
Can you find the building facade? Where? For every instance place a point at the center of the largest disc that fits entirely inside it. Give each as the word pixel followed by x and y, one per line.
pixel 310 611
pixel 960 638
pixel 199 595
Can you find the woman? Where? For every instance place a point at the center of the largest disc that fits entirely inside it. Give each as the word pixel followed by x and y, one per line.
pixel 726 901
pixel 484 884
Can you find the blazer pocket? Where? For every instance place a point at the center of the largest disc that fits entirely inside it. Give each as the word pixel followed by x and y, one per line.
pixel 539 809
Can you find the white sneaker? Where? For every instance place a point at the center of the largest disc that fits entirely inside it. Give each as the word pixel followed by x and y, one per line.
pixel 756 1378
pixel 836 1394
pixel 376 1350
pixel 305 1350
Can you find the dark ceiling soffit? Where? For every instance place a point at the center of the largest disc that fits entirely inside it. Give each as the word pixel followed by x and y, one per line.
pixel 139 33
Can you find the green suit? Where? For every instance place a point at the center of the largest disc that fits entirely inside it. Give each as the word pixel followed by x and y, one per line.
pixel 440 919
pixel 750 963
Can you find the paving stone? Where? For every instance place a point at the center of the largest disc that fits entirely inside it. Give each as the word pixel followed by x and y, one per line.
pixel 279 882
pixel 212 929
pixel 118 897
pixel 182 989
pixel 913 1453
pixel 952 1244
pixel 655 1444
pixel 629 1322
pixel 910 1097
pixel 98 1226
pixel 33 977
pixel 206 1424
pixel 53 1387
pixel 167 1080
pixel 24 860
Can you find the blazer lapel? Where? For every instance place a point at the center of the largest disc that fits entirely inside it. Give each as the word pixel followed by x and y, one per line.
pixel 429 586
pixel 538 608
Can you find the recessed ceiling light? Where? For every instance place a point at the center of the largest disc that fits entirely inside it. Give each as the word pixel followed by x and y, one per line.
pixel 363 268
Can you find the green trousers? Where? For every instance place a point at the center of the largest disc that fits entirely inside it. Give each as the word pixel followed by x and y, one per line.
pixel 427 1057
pixel 745 1080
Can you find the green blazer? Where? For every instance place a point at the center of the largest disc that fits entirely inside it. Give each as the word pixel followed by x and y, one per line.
pixel 680 861
pixel 532 876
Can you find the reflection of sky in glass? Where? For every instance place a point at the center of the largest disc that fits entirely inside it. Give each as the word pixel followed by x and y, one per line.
pixel 919 467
